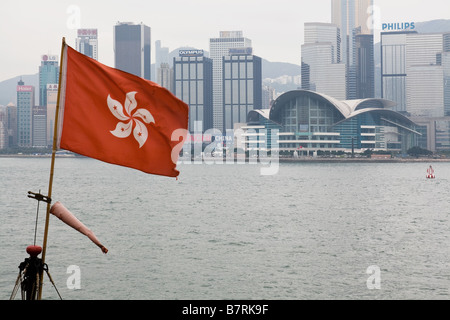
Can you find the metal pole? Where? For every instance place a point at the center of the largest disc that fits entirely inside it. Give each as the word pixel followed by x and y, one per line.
pixel 52 169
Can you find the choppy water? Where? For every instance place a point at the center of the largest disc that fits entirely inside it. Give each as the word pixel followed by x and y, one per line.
pixel 227 232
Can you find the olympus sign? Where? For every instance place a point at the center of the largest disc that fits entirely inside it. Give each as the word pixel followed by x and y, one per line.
pixel 191 53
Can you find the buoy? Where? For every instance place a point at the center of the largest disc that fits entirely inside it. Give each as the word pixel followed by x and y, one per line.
pixel 430 172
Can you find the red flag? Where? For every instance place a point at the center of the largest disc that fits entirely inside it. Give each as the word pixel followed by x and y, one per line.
pixel 116 117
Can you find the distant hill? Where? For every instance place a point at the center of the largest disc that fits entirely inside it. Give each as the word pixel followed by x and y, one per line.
pixel 433 26
pixel 275 70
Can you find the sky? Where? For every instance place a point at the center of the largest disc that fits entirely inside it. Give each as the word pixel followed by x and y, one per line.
pixel 29 28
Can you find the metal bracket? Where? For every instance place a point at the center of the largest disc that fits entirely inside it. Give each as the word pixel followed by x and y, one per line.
pixel 39 197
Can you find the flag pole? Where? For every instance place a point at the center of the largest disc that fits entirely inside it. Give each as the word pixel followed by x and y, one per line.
pixel 52 168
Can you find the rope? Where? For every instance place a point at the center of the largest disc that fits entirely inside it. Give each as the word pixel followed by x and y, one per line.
pixel 29 282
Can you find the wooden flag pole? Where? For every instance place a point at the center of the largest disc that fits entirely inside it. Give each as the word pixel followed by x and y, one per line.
pixel 52 168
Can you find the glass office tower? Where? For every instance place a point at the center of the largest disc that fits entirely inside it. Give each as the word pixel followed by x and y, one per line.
pixel 25 104
pixel 87 42
pixel 48 74
pixel 39 126
pixel 413 72
pixel 352 17
pixel 193 83
pixel 321 68
pixel 242 86
pixel 219 47
pixel 132 49
pixel 393 68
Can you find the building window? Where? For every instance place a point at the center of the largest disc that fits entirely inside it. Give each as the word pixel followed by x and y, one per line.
pixel 249 70
pixel 250 97
pixel 243 91
pixel 242 67
pixel 193 95
pixel 235 92
pixel 193 70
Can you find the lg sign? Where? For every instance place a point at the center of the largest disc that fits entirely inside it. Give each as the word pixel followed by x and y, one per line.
pixel 49 58
pixel 398 26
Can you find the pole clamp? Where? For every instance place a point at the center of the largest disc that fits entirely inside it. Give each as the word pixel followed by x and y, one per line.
pixel 39 197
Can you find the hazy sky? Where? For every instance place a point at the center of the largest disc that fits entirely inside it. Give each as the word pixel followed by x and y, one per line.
pixel 30 28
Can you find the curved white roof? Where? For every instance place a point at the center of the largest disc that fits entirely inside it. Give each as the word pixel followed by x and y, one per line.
pixel 264 112
pixel 342 106
pixel 348 108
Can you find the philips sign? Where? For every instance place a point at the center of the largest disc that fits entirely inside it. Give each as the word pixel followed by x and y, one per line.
pixel 399 26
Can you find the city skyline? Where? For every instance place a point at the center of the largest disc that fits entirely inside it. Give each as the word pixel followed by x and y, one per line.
pixel 276 31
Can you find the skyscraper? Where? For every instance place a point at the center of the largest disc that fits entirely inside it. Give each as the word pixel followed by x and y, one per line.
pixel 161 57
pixel 351 14
pixel 321 70
pixel 25 104
pixel 413 72
pixel 39 127
pixel 48 74
pixel 352 18
pixel 193 83
pixel 446 67
pixel 164 76
pixel 132 49
pixel 87 42
pixel 219 47
pixel 425 91
pixel 425 75
pixel 3 128
pixel 365 66
pixel 11 124
pixel 52 98
pixel 242 91
pixel 316 32
pixel 393 68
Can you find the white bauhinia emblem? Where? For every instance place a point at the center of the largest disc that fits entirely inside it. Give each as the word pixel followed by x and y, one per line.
pixel 132 119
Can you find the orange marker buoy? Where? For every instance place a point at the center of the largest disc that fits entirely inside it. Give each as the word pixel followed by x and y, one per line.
pixel 430 172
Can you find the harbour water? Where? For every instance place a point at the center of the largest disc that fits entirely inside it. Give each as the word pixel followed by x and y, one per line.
pixel 309 232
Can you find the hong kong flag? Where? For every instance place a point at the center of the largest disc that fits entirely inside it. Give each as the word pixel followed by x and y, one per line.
pixel 119 118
